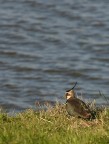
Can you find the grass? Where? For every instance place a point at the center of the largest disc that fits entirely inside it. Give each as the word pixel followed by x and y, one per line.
pixel 53 126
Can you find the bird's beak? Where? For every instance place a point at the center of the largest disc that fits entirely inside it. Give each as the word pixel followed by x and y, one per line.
pixel 65 95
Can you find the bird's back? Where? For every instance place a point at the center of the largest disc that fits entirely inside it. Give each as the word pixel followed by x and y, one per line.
pixel 77 107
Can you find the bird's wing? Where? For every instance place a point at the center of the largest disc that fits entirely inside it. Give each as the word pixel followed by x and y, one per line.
pixel 79 106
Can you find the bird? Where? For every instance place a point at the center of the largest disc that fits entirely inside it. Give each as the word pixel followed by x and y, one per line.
pixel 76 107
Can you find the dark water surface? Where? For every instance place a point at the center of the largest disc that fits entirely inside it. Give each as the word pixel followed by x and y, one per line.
pixel 47 45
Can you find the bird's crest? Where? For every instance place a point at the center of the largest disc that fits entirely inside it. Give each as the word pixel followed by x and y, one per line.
pixel 72 87
pixel 70 93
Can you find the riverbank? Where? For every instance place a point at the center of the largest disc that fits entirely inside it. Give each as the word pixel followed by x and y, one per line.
pixel 53 126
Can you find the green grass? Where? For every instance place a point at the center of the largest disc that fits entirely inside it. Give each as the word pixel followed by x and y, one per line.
pixel 53 126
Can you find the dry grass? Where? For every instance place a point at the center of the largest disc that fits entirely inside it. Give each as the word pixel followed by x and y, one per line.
pixel 53 126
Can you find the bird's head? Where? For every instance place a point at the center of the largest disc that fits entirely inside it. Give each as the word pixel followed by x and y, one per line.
pixel 70 93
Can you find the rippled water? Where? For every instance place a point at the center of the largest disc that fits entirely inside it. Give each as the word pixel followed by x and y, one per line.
pixel 45 46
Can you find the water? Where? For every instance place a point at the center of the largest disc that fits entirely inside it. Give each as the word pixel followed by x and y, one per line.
pixel 47 45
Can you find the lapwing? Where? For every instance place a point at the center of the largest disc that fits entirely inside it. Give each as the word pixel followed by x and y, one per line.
pixel 76 107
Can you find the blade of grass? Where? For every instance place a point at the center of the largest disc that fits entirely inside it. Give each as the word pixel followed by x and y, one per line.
pixel 104 97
